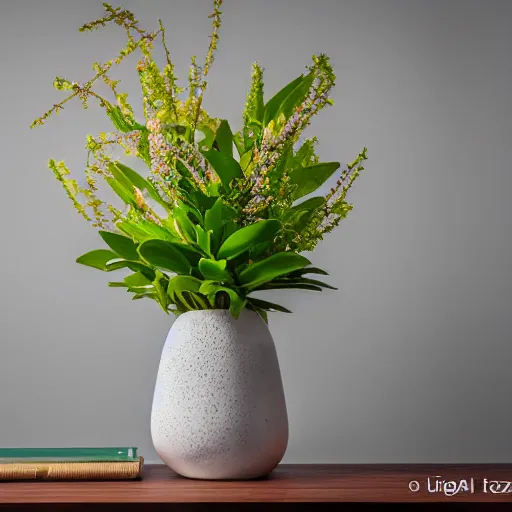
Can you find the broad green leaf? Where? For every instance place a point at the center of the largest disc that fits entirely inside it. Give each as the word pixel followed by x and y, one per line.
pixel 246 159
pixel 214 270
pixel 224 138
pixel 203 239
pixel 189 252
pixel 259 250
pixel 225 166
pixel 209 136
pixel 184 226
pixel 216 215
pixel 273 105
pixel 309 205
pixel 236 303
pixel 135 266
pixel 296 97
pixel 97 259
pixel 127 195
pixel 247 237
pixel 213 188
pixel 214 218
pixel 142 230
pixel 137 279
pixel 166 255
pixel 203 202
pixel 117 168
pixel 188 205
pixel 183 283
pixel 267 306
pixel 270 268
pixel 308 179
pixel 122 245
pixel 230 228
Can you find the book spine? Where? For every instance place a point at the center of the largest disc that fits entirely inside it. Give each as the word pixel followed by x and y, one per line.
pixel 68 454
pixel 72 470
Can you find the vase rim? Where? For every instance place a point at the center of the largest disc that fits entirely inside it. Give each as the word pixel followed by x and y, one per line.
pixel 210 311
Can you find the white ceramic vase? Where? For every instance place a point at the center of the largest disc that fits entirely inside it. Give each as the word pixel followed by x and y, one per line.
pixel 219 410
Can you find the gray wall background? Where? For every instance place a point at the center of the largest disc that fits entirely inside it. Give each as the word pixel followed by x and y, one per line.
pixel 410 360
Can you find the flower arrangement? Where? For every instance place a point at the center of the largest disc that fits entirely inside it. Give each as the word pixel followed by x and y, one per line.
pixel 219 215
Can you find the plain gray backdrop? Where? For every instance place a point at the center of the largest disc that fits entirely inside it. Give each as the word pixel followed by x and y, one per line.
pixel 410 360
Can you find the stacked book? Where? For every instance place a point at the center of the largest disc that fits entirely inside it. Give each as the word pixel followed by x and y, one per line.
pixel 70 463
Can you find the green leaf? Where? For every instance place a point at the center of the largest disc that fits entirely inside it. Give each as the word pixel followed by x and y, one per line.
pixel 200 300
pixel 230 228
pixel 214 218
pixel 191 301
pixel 189 252
pixel 247 237
pixel 135 179
pixel 238 139
pixel 308 179
pixel 138 296
pixel 113 284
pixel 135 266
pixel 166 255
pixel 305 281
pixel 122 245
pixel 184 226
pixel 273 105
pixel 259 250
pixel 214 270
pixel 271 267
pixel 246 159
pixel 136 280
pixel 307 270
pixel 97 259
pixel 236 303
pixel 118 119
pixel 296 97
pixel 267 306
pixel 127 195
pixel 187 206
pixel 283 286
pixel 217 215
pixel 225 166
pixel 209 136
pixel 203 239
pixel 143 147
pixel 183 283
pixel 309 205
pixel 224 138
pixel 186 300
pixel 143 230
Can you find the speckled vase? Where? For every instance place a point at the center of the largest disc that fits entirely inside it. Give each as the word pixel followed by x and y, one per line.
pixel 219 410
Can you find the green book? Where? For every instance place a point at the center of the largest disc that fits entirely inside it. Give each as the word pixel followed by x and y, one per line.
pixel 109 454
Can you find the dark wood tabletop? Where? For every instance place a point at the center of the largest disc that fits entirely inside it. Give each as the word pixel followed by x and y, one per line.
pixel 295 483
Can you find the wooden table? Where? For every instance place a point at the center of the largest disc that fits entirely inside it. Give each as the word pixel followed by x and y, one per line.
pixel 323 484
